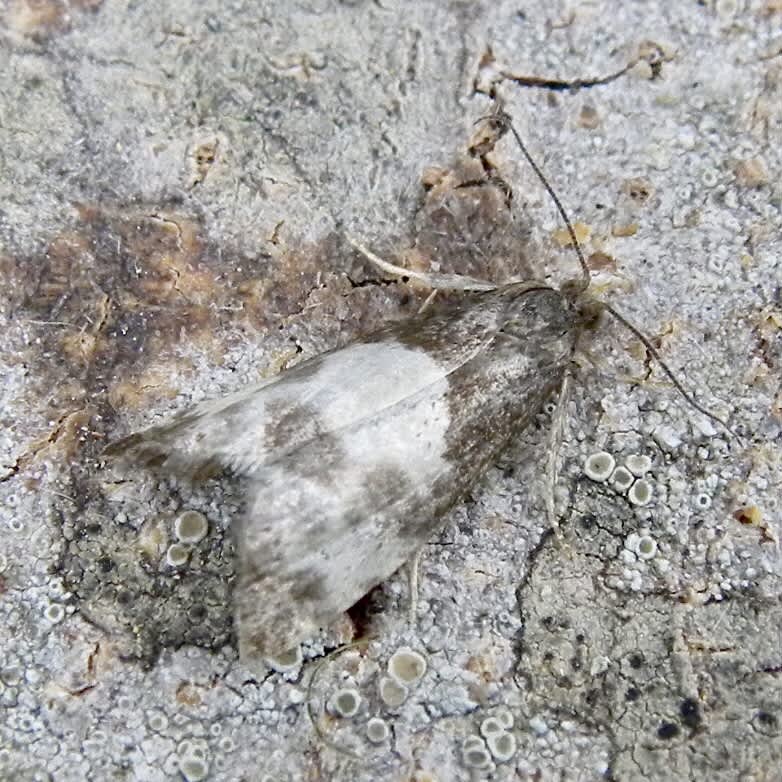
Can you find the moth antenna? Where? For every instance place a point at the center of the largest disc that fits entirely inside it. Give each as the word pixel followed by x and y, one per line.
pixel 413 566
pixel 503 120
pixel 668 371
pixel 652 54
pixel 585 275
pixel 310 711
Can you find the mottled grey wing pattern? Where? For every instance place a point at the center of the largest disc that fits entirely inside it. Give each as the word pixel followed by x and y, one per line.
pixel 353 457
pixel 337 516
pixel 262 423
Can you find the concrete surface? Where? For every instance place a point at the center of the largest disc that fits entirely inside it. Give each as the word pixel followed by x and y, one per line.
pixel 176 182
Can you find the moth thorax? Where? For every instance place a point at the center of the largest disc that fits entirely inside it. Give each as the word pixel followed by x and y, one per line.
pixel 574 288
pixel 587 309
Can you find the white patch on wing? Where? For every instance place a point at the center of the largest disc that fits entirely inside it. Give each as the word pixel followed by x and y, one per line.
pixel 335 524
pixel 412 442
pixel 349 386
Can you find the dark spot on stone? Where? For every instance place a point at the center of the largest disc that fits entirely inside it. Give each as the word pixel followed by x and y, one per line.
pixel 690 713
pixel 291 715
pixel 668 730
pixel 638 189
pixel 124 597
pixel 632 694
pixel 636 660
pixel 197 613
pixel 565 682
pixel 105 564
pixel 592 697
pixel 767 719
pixel 580 638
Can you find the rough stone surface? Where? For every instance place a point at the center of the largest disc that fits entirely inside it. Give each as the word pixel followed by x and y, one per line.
pixel 177 180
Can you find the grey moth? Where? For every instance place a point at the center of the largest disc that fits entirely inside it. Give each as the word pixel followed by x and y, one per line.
pixel 352 458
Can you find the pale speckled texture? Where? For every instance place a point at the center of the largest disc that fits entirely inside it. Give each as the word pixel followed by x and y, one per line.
pixel 175 184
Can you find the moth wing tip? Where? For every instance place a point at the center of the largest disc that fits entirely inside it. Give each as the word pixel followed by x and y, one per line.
pixel 256 645
pixel 146 450
pixel 123 447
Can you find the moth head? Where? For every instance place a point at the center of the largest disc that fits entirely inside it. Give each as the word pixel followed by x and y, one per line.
pixel 587 309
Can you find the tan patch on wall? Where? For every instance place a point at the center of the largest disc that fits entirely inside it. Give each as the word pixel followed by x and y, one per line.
pixel 39 19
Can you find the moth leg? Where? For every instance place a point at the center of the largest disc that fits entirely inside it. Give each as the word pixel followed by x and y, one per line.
pixel 412 574
pixel 429 299
pixel 443 282
pixel 555 438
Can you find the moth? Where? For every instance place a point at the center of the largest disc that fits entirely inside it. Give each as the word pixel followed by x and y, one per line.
pixel 352 458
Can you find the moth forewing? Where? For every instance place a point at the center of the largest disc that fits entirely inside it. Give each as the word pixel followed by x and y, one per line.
pixel 352 458
pixel 260 423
